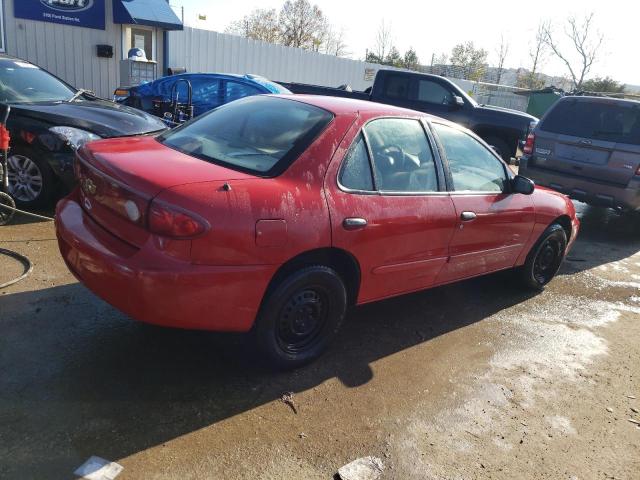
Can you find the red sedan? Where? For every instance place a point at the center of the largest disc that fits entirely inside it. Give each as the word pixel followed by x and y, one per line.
pixel 274 214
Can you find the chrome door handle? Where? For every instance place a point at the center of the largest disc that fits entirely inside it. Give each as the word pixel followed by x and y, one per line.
pixel 468 216
pixel 353 223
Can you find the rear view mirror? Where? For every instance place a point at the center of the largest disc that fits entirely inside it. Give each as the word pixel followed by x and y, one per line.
pixel 523 185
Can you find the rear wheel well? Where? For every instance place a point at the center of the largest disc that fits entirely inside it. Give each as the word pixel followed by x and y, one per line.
pixel 565 222
pixel 345 265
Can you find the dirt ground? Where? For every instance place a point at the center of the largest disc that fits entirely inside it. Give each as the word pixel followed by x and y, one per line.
pixel 478 380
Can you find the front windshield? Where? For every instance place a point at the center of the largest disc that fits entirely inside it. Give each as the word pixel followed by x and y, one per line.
pixel 22 82
pixel 258 134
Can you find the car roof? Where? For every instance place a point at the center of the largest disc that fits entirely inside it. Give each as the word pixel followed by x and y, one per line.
pixel 263 83
pixel 350 106
pixel 4 56
pixel 599 99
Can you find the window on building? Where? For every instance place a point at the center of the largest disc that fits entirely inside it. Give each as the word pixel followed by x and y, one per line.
pixel 140 37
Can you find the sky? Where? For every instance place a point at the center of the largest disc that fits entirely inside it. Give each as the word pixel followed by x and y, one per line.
pixel 435 27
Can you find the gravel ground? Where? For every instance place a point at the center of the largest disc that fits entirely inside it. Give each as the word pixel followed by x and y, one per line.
pixel 474 380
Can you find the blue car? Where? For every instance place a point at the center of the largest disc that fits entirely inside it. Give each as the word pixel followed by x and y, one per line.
pixel 178 98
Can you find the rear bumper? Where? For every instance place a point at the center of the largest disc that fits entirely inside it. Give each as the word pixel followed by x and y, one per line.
pixel 151 287
pixel 584 190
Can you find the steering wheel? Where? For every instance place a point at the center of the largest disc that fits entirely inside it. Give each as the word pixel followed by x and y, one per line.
pixel 395 153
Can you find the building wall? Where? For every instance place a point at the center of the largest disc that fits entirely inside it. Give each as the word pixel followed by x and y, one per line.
pixel 70 52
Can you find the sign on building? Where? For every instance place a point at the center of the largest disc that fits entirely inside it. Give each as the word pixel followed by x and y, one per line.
pixel 369 74
pixel 81 13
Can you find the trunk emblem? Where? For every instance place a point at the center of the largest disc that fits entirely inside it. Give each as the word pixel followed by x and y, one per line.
pixel 88 186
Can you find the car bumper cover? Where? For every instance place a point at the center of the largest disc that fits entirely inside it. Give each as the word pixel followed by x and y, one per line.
pixel 151 287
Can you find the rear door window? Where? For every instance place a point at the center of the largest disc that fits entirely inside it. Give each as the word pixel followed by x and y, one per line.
pixel 397 86
pixel 597 120
pixel 236 90
pixel 356 168
pixel 402 158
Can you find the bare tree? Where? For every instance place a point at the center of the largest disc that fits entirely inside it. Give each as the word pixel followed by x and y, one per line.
pixel 260 24
pixel 298 24
pixel 383 42
pixel 302 24
pixel 502 53
pixel 538 50
pixel 537 54
pixel 585 41
pixel 333 41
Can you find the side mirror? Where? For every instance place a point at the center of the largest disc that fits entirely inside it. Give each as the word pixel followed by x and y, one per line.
pixel 457 102
pixel 523 185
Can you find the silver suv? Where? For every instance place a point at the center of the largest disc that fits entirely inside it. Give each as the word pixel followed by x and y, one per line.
pixel 588 148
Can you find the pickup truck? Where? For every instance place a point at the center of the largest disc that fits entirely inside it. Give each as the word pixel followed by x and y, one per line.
pixel 501 128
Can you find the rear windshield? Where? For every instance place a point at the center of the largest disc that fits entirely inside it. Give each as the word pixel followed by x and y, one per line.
pixel 260 134
pixel 597 120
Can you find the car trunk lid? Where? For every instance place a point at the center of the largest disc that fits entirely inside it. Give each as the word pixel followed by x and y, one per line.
pixel 119 178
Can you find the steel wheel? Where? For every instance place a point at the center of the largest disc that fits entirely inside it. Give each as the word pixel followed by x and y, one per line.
pixel 547 260
pixel 25 178
pixel 300 315
pixel 302 319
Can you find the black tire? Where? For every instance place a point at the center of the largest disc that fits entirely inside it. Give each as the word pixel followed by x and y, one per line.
pixel 501 147
pixel 300 316
pixel 44 194
pixel 545 258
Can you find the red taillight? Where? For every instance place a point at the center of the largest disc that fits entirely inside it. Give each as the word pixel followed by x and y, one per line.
pixel 528 146
pixel 171 222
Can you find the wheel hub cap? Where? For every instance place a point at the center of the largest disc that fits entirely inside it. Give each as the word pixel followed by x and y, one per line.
pixel 25 178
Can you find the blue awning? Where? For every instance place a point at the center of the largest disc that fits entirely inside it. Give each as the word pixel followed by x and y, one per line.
pixel 153 13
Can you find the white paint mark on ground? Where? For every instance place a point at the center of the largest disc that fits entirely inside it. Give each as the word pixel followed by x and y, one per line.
pixel 97 468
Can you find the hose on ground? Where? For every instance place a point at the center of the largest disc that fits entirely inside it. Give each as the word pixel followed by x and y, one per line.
pixel 26 263
pixel 28 214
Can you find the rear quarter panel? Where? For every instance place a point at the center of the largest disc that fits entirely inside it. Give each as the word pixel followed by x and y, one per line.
pixel 264 220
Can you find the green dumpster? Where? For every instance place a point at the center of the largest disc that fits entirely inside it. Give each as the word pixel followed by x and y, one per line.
pixel 541 100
